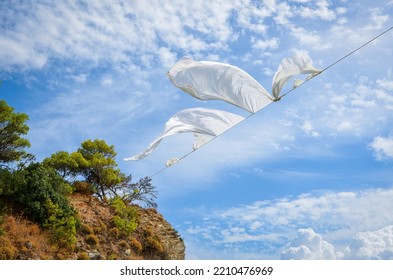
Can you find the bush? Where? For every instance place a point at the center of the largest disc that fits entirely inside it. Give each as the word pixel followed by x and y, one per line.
pixel 126 218
pixel 28 239
pixel 114 232
pixel 41 194
pixel 7 250
pixel 83 188
pixel 152 243
pixel 92 239
pixel 83 256
pixel 87 229
pixel 2 231
pixel 100 228
pixel 112 257
pixel 123 244
pixel 136 245
pixel 63 227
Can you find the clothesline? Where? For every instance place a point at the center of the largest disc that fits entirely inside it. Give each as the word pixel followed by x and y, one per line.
pixel 287 92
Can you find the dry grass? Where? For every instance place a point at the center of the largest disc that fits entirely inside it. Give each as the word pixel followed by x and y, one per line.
pixel 27 239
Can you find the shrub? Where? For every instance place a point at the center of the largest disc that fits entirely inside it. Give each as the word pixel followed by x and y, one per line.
pixel 92 239
pixel 123 244
pixel 114 232
pixel 7 253
pixel 87 229
pixel 126 218
pixel 83 256
pixel 112 257
pixel 28 238
pixel 7 250
pixel 100 228
pixel 152 243
pixel 2 231
pixel 142 192
pixel 83 188
pixel 42 194
pixel 63 227
pixel 136 245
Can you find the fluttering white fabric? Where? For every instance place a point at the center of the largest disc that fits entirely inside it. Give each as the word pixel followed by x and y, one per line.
pixel 197 120
pixel 299 64
pixel 206 80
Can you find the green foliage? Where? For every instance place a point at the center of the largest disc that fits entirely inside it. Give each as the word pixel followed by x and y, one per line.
pixel 101 168
pixel 126 218
pixel 95 161
pixel 41 194
pixel 35 186
pixel 83 256
pixel 2 231
pixel 63 226
pixel 142 192
pixel 5 180
pixel 12 126
pixel 66 164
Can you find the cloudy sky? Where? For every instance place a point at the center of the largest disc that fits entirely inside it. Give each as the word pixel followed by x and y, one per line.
pixel 308 177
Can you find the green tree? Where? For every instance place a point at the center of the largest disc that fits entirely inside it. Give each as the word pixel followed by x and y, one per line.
pixel 95 162
pixel 100 167
pixel 142 192
pixel 67 165
pixel 12 126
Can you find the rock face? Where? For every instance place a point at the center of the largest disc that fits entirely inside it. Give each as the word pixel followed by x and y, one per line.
pixel 173 245
pixel 154 238
pixel 97 238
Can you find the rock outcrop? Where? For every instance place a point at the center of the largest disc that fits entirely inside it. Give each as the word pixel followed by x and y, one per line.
pixel 97 237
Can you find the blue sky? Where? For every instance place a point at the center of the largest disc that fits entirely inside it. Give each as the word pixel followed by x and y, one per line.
pixel 309 177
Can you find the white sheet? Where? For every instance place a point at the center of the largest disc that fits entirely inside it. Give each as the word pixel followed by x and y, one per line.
pixel 300 64
pixel 197 120
pixel 208 80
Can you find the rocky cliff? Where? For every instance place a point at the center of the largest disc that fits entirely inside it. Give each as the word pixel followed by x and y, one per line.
pixel 97 237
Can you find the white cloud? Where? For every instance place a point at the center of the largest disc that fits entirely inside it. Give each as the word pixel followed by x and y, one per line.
pixel 376 244
pixel 80 78
pixel 271 43
pixel 328 226
pixel 309 245
pixel 387 82
pixel 365 245
pixel 382 147
pixel 167 57
pixel 15 53
pixel 344 126
pixel 309 39
pixel 321 11
pixel 377 19
pixel 106 81
pixel 308 128
pixel 90 110
pixel 117 33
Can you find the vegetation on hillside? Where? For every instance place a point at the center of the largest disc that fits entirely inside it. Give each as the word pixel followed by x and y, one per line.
pixel 39 192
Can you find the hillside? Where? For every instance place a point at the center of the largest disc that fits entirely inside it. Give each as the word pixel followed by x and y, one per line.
pixel 97 236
